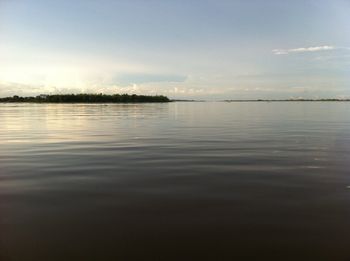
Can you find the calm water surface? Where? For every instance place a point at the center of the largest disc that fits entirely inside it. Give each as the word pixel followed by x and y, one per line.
pixel 177 181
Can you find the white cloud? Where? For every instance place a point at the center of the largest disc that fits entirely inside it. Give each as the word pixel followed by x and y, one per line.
pixel 304 49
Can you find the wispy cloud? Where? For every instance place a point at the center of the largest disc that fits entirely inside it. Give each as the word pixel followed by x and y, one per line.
pixel 304 49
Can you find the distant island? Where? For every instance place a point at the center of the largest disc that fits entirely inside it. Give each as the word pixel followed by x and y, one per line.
pixel 88 98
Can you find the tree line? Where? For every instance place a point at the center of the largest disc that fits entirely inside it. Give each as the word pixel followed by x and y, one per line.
pixel 88 98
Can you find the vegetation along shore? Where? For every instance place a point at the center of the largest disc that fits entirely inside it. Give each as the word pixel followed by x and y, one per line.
pixel 88 98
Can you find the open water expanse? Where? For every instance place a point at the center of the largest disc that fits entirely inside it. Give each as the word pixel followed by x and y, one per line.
pixel 175 181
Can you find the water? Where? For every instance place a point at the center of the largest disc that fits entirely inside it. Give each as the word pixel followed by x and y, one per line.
pixel 177 181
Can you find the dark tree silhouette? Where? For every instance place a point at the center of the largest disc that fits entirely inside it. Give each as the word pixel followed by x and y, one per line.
pixel 88 98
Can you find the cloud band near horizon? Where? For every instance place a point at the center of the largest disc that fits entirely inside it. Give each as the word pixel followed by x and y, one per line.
pixel 305 49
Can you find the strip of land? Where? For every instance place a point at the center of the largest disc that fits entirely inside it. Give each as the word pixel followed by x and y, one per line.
pixel 88 98
pixel 288 100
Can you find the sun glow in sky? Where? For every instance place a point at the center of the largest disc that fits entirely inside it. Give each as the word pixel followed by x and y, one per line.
pixel 183 49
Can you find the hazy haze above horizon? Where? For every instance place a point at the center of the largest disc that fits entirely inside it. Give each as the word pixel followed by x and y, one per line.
pixel 182 49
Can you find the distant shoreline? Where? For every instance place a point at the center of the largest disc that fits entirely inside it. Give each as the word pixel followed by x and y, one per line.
pixel 133 98
pixel 87 98
pixel 291 100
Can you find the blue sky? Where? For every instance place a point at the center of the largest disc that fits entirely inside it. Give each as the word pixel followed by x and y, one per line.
pixel 183 49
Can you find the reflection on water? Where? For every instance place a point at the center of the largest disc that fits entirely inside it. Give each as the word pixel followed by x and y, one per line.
pixel 177 181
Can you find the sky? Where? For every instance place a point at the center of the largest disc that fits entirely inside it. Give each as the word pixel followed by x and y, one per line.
pixel 185 49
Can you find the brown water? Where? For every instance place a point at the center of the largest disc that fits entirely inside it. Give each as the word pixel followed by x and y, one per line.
pixel 176 181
